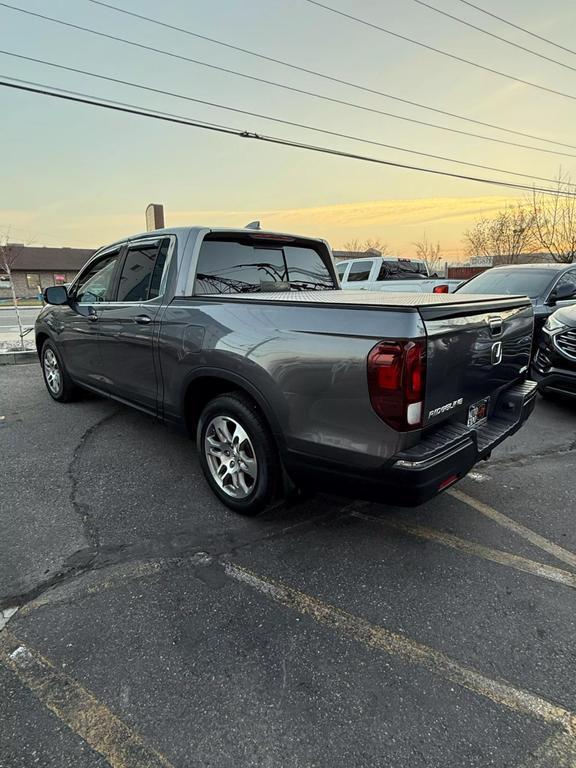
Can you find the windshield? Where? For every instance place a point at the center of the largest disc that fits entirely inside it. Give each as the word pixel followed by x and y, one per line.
pixel 511 282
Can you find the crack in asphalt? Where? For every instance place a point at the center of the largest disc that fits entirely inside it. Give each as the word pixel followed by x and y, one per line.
pixel 523 458
pixel 83 510
pixel 177 546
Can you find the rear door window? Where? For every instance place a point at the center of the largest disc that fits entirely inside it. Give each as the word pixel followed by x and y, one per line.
pixel 360 270
pixel 142 271
pixel 232 267
pixel 341 269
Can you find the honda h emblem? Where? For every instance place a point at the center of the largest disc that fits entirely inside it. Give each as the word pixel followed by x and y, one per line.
pixel 496 356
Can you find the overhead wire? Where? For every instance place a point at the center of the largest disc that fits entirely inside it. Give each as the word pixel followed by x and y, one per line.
pixel 315 73
pixel 453 56
pixel 517 26
pixel 325 131
pixel 71 96
pixel 469 24
pixel 285 86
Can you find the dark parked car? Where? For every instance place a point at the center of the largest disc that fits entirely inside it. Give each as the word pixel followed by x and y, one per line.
pixel 548 286
pixel 554 366
pixel 246 338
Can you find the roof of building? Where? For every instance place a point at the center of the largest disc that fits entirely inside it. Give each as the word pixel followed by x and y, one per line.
pixel 30 258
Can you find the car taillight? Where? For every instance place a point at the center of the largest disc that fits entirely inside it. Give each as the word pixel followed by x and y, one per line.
pixel 440 289
pixel 396 379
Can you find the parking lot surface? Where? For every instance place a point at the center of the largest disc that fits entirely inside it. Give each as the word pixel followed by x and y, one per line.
pixel 156 628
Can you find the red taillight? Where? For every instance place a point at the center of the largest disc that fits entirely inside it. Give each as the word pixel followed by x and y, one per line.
pixel 440 289
pixel 396 372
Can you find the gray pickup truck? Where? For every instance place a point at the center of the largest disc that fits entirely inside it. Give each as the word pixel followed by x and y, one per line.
pixel 246 338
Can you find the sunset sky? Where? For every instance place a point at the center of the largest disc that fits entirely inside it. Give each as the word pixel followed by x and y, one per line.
pixel 79 176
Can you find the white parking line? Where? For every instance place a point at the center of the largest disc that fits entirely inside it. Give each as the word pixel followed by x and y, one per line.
pixel 78 708
pixel 559 751
pixel 407 650
pixel 567 578
pixel 526 533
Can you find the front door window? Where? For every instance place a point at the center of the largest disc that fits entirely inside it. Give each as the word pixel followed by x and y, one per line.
pixel 96 283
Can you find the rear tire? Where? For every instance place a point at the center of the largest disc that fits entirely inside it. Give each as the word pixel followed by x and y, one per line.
pixel 58 383
pixel 238 455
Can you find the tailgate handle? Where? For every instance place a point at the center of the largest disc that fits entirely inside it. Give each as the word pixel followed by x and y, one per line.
pixel 495 325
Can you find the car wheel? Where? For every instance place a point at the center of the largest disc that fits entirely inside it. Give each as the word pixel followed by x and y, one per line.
pixel 237 454
pixel 59 385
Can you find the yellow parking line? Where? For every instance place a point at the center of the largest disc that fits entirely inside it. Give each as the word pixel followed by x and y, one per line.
pixel 526 533
pixel 559 751
pixel 407 650
pixel 79 709
pixel 567 578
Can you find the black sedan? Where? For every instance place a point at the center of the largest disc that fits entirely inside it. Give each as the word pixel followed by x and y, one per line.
pixel 548 286
pixel 554 366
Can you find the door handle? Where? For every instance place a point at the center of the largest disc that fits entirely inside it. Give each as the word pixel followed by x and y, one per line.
pixel 143 319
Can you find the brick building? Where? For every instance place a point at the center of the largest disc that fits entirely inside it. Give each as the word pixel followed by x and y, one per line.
pixel 35 267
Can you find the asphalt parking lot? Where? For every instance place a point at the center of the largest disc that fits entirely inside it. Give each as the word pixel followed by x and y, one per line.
pixel 155 628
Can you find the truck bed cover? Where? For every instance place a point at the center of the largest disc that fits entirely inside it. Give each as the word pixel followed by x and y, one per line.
pixel 406 301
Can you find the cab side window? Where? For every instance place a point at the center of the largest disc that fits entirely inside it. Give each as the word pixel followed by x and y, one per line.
pixel 96 283
pixel 360 270
pixel 341 269
pixel 142 271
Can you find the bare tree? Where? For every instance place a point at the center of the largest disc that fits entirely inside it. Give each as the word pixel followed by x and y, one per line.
pixel 370 244
pixel 429 253
pixel 8 256
pixel 353 245
pixel 375 244
pixel 509 233
pixel 555 220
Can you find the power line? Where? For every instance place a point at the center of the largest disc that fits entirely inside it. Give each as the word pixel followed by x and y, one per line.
pixel 516 26
pixel 290 88
pixel 292 123
pixel 322 75
pixel 491 34
pixel 63 94
pixel 453 56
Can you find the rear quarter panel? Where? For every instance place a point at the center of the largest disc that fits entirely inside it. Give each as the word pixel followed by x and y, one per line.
pixel 308 363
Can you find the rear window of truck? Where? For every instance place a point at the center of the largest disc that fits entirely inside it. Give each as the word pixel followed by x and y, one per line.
pixel 231 267
pixel 402 269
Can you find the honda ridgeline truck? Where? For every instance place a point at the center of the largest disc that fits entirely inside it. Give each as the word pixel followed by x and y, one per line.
pixel 246 338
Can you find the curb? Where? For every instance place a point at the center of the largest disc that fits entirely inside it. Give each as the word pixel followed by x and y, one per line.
pixel 16 358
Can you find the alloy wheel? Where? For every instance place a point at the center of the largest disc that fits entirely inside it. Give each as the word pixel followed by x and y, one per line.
pixel 52 371
pixel 231 457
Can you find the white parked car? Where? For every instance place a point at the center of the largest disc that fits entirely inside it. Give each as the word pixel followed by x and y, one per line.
pixel 391 273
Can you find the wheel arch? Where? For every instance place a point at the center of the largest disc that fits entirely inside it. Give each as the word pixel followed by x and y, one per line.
pixel 203 386
pixel 41 338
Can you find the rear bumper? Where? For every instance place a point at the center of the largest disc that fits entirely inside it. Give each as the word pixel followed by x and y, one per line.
pixel 440 459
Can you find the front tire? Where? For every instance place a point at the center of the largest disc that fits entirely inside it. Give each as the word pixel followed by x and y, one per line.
pixel 237 454
pixel 58 383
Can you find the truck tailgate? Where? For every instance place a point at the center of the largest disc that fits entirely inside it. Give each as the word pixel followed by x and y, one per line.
pixel 474 350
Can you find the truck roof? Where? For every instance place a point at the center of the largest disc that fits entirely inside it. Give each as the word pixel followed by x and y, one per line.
pixel 184 232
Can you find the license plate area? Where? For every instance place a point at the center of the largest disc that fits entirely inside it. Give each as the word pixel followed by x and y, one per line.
pixel 478 412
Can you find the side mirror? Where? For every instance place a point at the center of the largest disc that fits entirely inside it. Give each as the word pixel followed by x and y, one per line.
pixel 56 294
